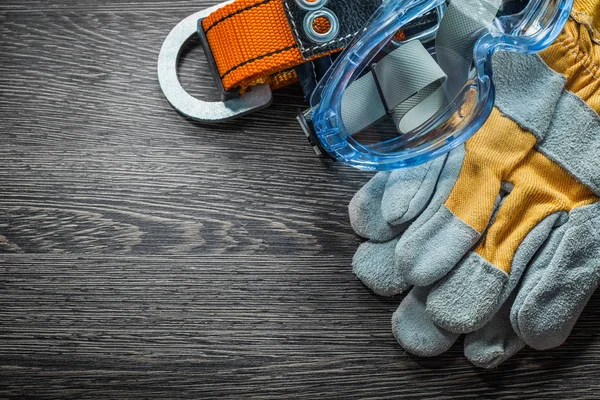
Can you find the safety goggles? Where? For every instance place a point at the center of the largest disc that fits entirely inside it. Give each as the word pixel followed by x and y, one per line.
pixel 389 103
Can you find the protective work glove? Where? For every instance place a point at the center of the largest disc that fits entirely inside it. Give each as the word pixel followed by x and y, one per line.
pixel 502 236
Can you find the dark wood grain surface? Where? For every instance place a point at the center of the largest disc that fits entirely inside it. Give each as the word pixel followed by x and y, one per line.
pixel 146 256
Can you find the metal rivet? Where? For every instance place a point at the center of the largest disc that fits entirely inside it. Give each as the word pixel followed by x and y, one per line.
pixel 318 37
pixel 311 5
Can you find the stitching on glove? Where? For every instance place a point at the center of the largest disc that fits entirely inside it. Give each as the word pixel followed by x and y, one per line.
pixel 587 61
pixel 587 21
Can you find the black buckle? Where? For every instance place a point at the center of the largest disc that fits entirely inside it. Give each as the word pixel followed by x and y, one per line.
pixel 309 130
pixel 212 66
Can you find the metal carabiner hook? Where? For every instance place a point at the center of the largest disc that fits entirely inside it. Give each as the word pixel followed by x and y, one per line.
pixel 255 99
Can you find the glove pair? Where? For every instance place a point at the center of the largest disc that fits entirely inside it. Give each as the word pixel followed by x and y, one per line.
pixel 501 237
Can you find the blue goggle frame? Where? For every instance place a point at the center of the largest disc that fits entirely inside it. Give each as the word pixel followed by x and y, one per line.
pixel 529 31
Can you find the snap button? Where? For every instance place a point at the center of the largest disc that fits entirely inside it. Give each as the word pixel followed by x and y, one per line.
pixel 321 25
pixel 311 4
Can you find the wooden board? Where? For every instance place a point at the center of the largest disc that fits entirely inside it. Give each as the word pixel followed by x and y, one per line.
pixel 147 256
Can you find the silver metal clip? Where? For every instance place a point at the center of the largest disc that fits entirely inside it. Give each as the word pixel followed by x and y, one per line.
pixel 255 99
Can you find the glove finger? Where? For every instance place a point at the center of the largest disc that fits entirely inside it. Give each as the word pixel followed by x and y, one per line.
pixel 536 273
pixel 496 342
pixel 469 296
pixel 409 190
pixel 375 266
pixel 415 331
pixel 437 240
pixel 381 208
pixel 560 281
pixel 366 217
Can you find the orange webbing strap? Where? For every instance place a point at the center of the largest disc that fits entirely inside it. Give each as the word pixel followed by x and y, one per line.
pixel 252 43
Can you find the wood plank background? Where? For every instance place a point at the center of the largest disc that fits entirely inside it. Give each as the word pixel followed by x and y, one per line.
pixel 147 256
